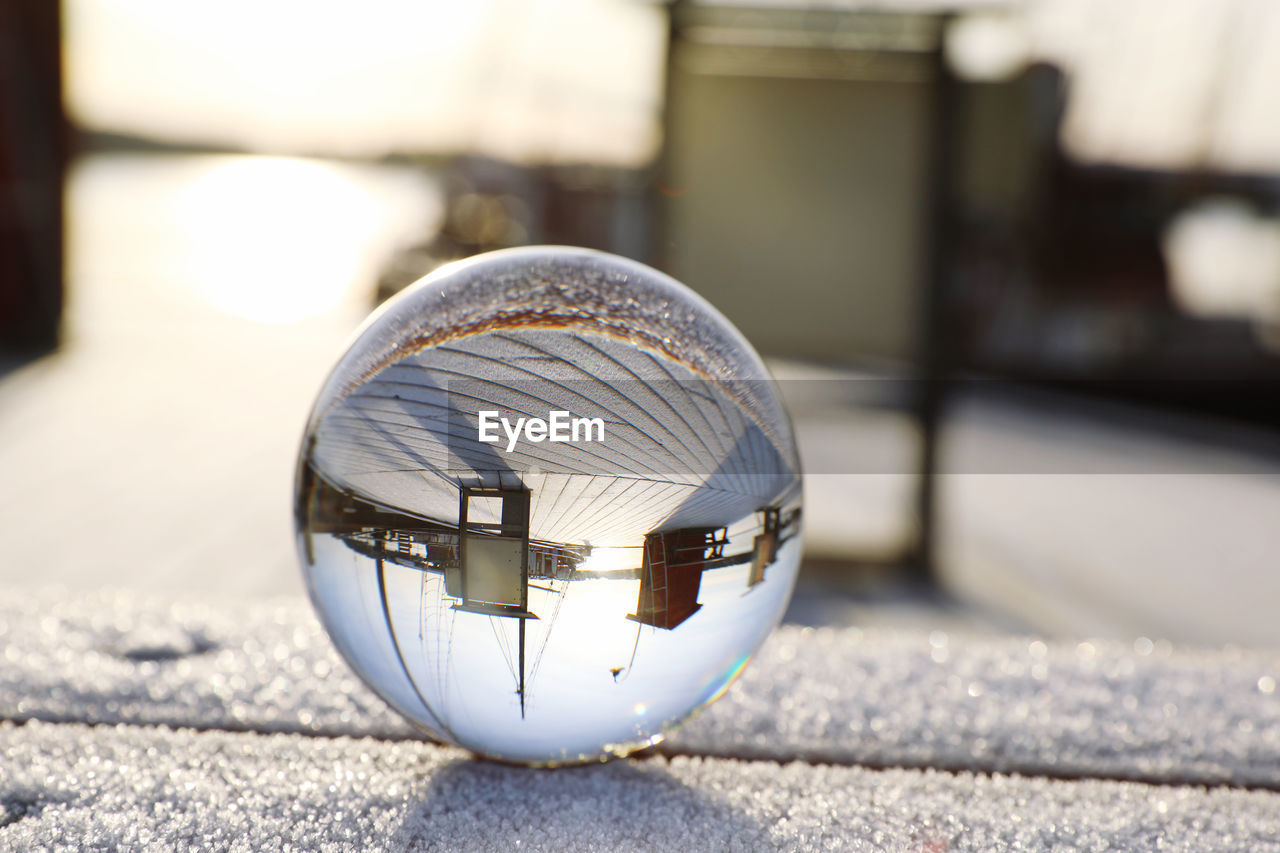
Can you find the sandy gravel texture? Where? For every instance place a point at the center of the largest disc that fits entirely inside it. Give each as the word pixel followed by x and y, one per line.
pixel 71 787
pixel 1142 710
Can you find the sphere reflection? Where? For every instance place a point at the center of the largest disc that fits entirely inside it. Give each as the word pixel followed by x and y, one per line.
pixel 549 504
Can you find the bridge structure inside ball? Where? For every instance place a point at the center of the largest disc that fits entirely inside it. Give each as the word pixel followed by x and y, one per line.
pixel 543 600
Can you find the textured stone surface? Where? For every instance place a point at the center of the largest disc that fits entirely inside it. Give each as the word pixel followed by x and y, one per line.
pixel 78 787
pixel 1139 710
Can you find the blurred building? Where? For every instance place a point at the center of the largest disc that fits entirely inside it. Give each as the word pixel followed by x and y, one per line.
pixel 1062 191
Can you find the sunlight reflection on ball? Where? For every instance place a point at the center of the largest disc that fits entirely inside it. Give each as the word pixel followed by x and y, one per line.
pixel 548 504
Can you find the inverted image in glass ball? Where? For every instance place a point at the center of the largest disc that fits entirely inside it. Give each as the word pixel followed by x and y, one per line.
pixel 548 504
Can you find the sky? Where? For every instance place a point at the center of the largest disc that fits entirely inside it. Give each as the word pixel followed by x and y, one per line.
pixel 562 81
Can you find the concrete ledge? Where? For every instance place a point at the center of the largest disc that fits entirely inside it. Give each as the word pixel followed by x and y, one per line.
pixel 81 787
pixel 1138 711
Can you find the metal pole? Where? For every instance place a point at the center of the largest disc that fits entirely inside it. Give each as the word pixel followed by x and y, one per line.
pixel 935 352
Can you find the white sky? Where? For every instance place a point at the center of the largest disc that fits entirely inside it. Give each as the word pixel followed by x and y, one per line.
pixel 568 80
pixel 1157 83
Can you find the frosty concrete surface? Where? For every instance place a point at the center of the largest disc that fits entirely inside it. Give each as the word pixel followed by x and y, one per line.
pixel 1142 710
pixel 76 787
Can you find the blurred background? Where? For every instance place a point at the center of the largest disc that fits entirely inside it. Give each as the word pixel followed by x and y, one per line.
pixel 1016 266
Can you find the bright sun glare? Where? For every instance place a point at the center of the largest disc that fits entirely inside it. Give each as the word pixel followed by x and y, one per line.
pixel 275 239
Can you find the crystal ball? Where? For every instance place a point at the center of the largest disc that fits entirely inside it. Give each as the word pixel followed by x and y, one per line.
pixel 548 504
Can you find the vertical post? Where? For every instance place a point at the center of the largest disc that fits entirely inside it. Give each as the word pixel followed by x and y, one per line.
pixel 515 511
pixel 660 238
pixel 522 622
pixel 32 159
pixel 462 541
pixel 934 350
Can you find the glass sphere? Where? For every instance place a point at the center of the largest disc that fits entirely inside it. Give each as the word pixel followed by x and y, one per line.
pixel 548 504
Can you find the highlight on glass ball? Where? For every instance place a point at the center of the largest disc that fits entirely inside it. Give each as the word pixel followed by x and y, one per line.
pixel 548 504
